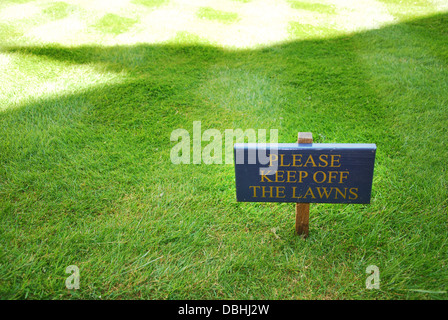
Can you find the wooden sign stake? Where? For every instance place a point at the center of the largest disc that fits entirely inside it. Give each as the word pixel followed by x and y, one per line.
pixel 303 209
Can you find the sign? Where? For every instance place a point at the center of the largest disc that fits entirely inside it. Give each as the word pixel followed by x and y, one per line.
pixel 304 173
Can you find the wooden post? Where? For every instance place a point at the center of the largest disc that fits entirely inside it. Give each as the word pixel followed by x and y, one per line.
pixel 303 209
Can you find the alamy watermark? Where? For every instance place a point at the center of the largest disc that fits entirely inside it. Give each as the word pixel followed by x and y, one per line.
pixel 212 152
pixel 373 281
pixel 72 282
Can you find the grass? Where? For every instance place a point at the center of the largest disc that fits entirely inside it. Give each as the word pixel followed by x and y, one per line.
pixel 218 15
pixel 86 177
pixel 312 6
pixel 296 28
pixel 112 23
pixel 150 3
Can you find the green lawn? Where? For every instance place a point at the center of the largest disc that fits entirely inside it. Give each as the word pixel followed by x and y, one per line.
pixel 89 96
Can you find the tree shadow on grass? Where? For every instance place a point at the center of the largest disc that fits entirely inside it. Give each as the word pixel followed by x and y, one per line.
pixel 106 150
pixel 346 89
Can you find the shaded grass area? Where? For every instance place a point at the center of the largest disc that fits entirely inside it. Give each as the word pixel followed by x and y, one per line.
pixel 57 10
pixel 86 178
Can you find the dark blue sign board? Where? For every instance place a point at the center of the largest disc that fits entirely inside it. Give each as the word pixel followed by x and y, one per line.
pixel 308 173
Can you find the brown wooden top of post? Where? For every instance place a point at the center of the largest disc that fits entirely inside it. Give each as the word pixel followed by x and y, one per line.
pixel 305 137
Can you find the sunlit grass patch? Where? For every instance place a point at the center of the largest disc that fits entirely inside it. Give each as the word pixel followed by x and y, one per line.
pixel 188 38
pixel 411 10
pixel 20 13
pixel 55 72
pixel 8 31
pixel 57 10
pixel 150 3
pixel 114 24
pixel 15 1
pixel 298 30
pixel 217 15
pixel 312 6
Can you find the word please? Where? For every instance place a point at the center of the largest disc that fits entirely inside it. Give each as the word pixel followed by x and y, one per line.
pixel 324 160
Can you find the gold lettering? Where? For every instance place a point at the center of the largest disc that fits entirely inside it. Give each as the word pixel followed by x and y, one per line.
pixel 263 191
pixel 294 160
pixel 272 158
pixel 288 176
pixel 310 191
pixel 294 193
pixel 281 162
pixel 344 195
pixel 324 192
pixel 280 194
pixel 310 157
pixel 342 176
pixel 330 176
pixel 263 175
pixel 322 160
pixel 281 177
pixel 302 175
pixel 255 190
pixel 324 176
pixel 333 160
pixel 354 192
